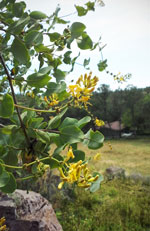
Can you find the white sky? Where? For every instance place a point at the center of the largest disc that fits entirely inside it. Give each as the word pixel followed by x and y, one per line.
pixel 124 26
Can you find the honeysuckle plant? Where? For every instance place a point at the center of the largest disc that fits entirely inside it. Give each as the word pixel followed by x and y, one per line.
pixel 29 37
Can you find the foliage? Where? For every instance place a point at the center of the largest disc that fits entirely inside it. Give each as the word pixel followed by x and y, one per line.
pixel 120 206
pixel 25 143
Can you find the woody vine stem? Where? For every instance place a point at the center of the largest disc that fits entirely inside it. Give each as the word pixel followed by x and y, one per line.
pixel 14 99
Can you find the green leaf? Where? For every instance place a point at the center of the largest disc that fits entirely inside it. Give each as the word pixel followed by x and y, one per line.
pixel 10 158
pixel 96 185
pixel 67 122
pixel 1 168
pixel 79 155
pixel 61 21
pixel 102 65
pixel 86 62
pixel 38 80
pixel 43 136
pixel 20 51
pixel 4 178
pixel 54 36
pixel 90 5
pixel 38 15
pixel 83 121
pixel 42 49
pixel 11 185
pixel 18 26
pixel 18 9
pixel 95 139
pixel 45 70
pixel 71 134
pixel 67 58
pixel 77 29
pixel 55 87
pixel 54 122
pixel 8 129
pixel 59 75
pixel 34 37
pixel 6 106
pixel 84 42
pixel 81 10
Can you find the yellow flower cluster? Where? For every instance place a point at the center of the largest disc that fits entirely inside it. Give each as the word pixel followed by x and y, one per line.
pixel 99 123
pixel 76 173
pixel 120 78
pixel 2 226
pixel 52 100
pixel 83 89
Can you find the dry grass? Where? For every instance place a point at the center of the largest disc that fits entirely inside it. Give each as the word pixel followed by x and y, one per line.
pixel 131 154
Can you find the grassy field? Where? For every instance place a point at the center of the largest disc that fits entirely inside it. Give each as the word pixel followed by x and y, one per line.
pixel 131 154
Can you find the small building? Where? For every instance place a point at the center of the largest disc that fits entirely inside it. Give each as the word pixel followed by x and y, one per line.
pixel 112 130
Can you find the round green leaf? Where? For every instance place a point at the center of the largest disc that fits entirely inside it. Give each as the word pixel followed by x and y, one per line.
pixel 37 15
pixel 85 42
pixel 77 29
pixel 20 51
pixel 67 122
pixel 34 38
pixel 4 178
pixel 11 184
pixel 38 80
pixel 96 140
pixel 7 106
pixel 84 121
pixel 71 134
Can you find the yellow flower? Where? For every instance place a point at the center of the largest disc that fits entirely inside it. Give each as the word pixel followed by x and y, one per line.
pixel 97 156
pixel 76 173
pixel 69 154
pixel 83 89
pixel 99 123
pixel 2 226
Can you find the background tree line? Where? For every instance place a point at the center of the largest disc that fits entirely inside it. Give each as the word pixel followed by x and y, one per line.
pixel 131 106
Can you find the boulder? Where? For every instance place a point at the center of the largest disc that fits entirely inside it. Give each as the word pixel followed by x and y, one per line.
pixel 114 172
pixel 28 212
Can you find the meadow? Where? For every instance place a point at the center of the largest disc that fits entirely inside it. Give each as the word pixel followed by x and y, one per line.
pixel 119 205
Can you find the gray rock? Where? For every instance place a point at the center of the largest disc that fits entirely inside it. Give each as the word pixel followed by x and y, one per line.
pixel 28 212
pixel 136 177
pixel 115 172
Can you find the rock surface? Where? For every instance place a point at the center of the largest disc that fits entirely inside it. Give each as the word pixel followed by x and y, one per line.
pixel 28 212
pixel 115 172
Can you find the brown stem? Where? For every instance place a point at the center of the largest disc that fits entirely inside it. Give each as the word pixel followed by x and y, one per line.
pixel 14 99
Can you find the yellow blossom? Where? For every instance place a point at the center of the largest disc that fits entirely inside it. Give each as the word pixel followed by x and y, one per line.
pixel 83 89
pixel 99 123
pixel 69 154
pixel 76 173
pixel 2 226
pixel 97 156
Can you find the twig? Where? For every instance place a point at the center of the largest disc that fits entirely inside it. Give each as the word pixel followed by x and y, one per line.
pixel 14 99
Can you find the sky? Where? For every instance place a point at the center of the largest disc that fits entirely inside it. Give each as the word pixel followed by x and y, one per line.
pixel 124 26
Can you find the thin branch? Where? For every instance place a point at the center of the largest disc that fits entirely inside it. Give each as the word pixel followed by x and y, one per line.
pixel 14 99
